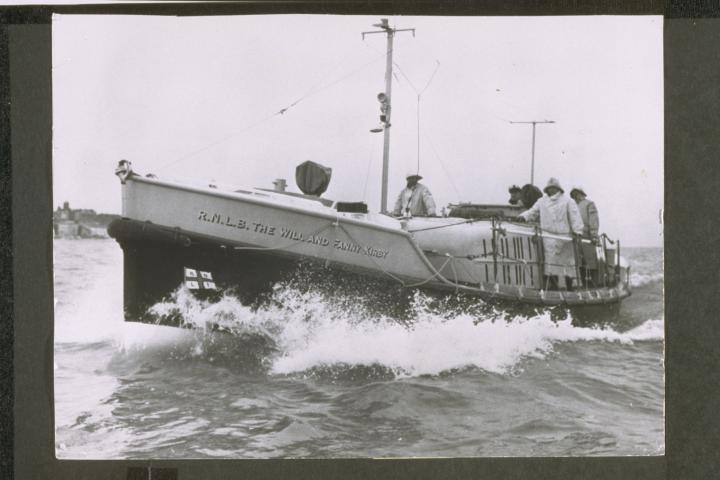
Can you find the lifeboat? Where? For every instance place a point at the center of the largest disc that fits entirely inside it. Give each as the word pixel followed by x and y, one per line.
pixel 247 239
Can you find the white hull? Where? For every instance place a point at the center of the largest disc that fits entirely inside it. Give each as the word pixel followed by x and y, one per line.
pixel 491 259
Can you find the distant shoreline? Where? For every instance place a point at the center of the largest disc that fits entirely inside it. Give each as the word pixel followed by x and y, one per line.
pixel 80 223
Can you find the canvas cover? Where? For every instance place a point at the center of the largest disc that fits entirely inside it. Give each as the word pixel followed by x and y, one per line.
pixel 312 178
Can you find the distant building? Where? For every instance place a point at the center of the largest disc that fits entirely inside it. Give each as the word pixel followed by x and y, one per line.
pixel 64 213
pixel 66 229
pixel 80 223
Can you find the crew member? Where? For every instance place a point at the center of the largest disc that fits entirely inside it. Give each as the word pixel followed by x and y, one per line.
pixel 588 212
pixel 525 196
pixel 558 215
pixel 515 197
pixel 415 199
pixel 591 227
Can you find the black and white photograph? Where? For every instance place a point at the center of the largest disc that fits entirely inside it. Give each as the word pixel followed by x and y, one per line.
pixel 353 236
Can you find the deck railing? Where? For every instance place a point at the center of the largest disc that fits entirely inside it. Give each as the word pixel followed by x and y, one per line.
pixel 608 275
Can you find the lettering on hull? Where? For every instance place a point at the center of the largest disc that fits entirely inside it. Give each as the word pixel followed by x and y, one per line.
pixel 291 234
pixel 300 237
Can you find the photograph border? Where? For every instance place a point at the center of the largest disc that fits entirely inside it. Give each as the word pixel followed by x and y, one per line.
pixel 691 172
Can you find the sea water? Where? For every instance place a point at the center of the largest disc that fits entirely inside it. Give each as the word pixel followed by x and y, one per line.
pixel 309 376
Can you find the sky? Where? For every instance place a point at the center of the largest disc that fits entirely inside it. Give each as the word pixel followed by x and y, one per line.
pixel 199 98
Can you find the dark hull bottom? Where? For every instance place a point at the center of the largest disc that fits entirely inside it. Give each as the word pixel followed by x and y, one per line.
pixel 154 261
pixel 153 271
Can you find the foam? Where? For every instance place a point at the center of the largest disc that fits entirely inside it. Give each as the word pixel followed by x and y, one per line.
pixel 649 331
pixel 641 279
pixel 311 330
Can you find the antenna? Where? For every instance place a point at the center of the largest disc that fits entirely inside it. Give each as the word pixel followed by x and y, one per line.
pixel 419 94
pixel 532 164
pixel 384 99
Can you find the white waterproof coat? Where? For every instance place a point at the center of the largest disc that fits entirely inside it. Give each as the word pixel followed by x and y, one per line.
pixel 591 221
pixel 560 215
pixel 418 201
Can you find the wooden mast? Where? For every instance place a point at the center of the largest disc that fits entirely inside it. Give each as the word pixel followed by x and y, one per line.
pixel 385 102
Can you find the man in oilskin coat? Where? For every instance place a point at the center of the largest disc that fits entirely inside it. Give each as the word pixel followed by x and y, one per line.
pixel 558 215
pixel 415 200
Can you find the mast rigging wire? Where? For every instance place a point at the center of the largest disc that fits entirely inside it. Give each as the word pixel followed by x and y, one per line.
pixel 282 111
pixel 452 183
pixel 367 174
pixel 419 94
pixel 427 137
pixel 311 93
pixel 437 65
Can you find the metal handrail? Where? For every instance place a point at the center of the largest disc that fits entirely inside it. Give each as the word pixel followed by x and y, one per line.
pixel 545 233
pixel 540 235
pixel 494 249
pixel 540 248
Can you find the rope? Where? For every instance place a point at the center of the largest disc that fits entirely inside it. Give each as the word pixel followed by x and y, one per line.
pixel 442 226
pixel 367 174
pixel 282 111
pixel 419 94
pixel 313 88
pixel 508 259
pixel 226 137
pixel 437 272
pixel 442 164
pixel 437 65
pixel 450 258
pixel 380 267
pixel 312 93
pixel 470 274
pixel 452 266
pixel 394 277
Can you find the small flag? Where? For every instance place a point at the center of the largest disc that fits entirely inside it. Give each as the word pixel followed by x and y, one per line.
pixel 199 280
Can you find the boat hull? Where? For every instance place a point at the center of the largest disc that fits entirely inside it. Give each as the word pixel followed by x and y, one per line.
pixel 250 240
pixel 154 259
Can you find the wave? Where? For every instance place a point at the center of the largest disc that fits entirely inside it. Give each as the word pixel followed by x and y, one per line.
pixel 649 331
pixel 308 331
pixel 642 279
pixel 302 329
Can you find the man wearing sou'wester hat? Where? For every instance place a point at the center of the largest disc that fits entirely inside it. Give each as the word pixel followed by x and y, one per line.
pixel 588 212
pixel 558 214
pixel 591 228
pixel 415 199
